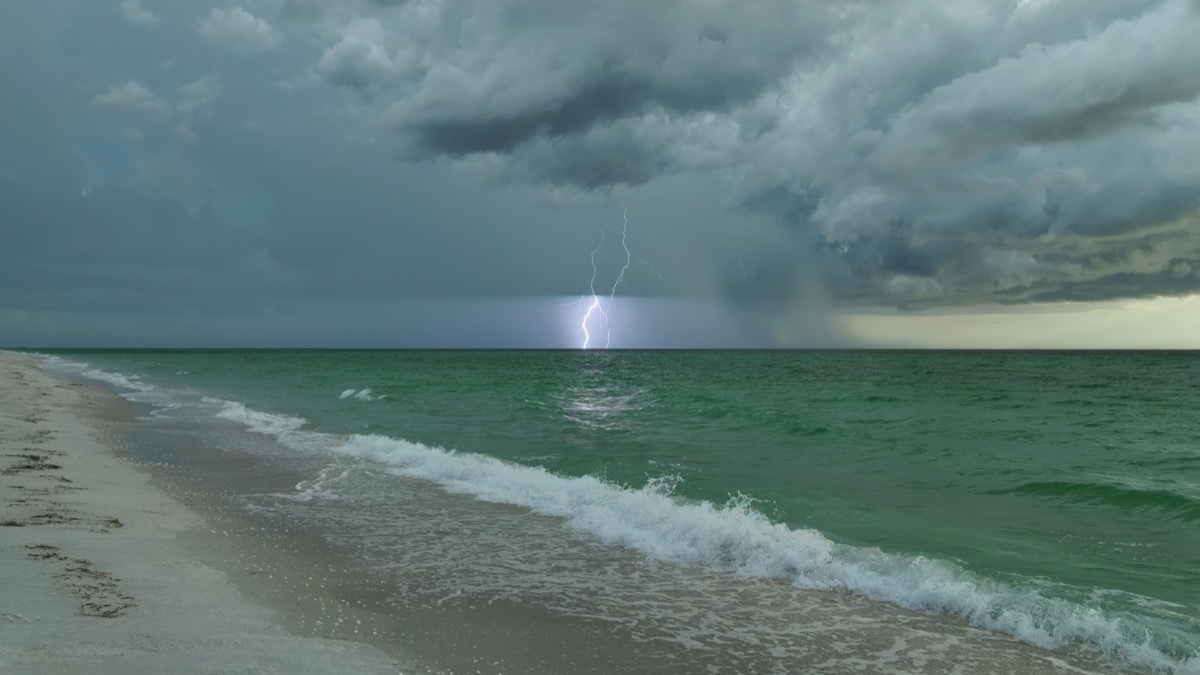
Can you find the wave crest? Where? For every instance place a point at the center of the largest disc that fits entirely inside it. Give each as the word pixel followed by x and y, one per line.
pixel 736 538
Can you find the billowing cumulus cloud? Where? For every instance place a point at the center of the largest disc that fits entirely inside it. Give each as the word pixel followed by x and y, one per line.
pixel 193 100
pixel 130 96
pixel 239 30
pixel 359 61
pixel 195 96
pixel 133 12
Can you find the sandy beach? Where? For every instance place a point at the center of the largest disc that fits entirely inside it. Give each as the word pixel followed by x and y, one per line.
pixel 100 567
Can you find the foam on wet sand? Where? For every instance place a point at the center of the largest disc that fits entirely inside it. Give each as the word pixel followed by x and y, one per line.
pixel 96 577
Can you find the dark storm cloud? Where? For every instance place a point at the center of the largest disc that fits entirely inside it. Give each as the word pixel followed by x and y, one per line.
pixel 490 77
pixel 919 144
pixel 610 93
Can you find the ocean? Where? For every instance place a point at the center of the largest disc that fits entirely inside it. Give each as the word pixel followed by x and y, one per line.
pixel 741 511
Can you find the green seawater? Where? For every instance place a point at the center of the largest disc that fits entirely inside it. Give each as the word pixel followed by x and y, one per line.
pixel 1073 473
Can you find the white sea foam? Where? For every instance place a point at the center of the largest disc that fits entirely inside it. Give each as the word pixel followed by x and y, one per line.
pixel 360 394
pixel 737 538
pixel 80 369
pixel 280 426
pixel 320 487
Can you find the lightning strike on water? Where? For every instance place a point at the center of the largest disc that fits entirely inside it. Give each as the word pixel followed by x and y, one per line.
pixel 595 304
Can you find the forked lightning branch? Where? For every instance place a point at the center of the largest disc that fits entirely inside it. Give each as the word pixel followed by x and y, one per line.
pixel 599 315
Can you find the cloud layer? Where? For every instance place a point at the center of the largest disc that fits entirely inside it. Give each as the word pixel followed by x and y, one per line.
pixel 928 152
pixel 777 157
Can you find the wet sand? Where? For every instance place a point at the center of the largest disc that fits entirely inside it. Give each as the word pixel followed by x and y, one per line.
pixel 100 572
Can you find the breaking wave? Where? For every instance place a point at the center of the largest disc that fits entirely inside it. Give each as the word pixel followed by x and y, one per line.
pixel 735 537
pixel 366 394
pixel 76 368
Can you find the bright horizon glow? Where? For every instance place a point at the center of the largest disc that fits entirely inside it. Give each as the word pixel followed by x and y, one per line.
pixel 1159 323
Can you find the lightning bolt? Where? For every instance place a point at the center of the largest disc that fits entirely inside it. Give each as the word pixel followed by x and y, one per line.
pixel 595 304
pixel 612 296
pixel 648 266
pixel 737 257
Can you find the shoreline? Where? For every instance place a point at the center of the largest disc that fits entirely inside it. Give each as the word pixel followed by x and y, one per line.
pixel 210 587
pixel 106 572
pixel 302 608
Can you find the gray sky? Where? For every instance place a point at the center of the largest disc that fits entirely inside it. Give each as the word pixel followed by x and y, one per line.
pixel 434 173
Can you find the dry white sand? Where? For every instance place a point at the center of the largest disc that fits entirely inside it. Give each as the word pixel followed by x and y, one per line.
pixel 94 575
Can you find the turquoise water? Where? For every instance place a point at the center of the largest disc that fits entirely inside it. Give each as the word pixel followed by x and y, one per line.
pixel 1061 488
